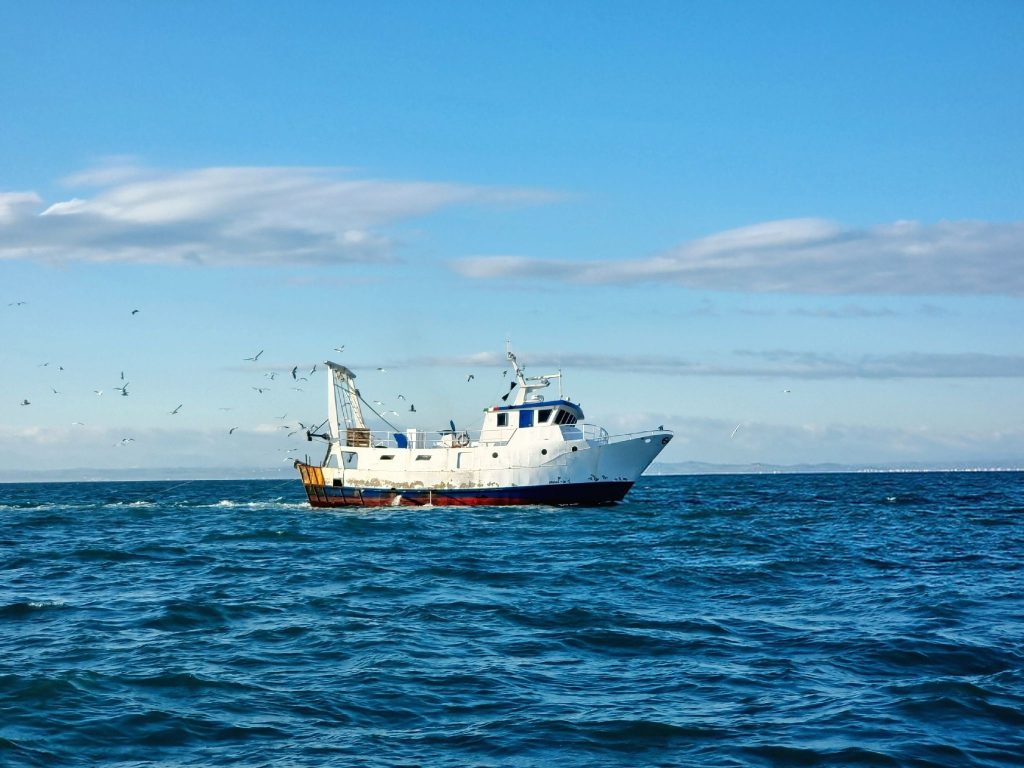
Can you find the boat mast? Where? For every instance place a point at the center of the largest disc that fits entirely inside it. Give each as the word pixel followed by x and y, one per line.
pixel 343 398
pixel 526 385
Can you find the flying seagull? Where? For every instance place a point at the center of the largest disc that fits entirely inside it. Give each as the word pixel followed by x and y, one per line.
pixel 176 409
pixel 470 377
pixel 135 311
pixel 261 390
pixel 735 430
pixel 16 303
pixel 295 371
pixel 412 408
pixel 231 431
pixel 25 402
pixel 312 370
pixel 126 440
pixel 255 357
pixel 122 389
pixel 382 370
pixel 340 349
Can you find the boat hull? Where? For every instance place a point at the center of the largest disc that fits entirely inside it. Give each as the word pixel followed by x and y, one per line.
pixel 557 494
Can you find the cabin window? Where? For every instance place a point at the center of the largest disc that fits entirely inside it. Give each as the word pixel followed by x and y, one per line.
pixel 526 418
pixel 503 419
pixel 423 457
pixel 387 457
pixel 543 415
pixel 564 417
pixel 350 459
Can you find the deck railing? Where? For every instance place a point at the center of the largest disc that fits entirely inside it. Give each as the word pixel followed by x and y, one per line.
pixel 421 439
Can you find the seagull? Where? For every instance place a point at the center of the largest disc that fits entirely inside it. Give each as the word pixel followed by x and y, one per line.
pixel 122 375
pixel 16 303
pixel 378 402
pixel 786 391
pixel 285 416
pixel 271 375
pixel 297 389
pixel 255 357
pixel 382 370
pixel 126 440
pixel 412 408
pixel 295 371
pixel 470 377
pixel 77 423
pixel 55 391
pixel 25 402
pixel 661 427
pixel 312 370
pixel 98 392
pixel 176 409
pixel 122 389
pixel 735 429
pixel 42 365
pixel 401 397
pixel 261 390
pixel 340 349
pixel 135 311
pixel 504 374
pixel 231 431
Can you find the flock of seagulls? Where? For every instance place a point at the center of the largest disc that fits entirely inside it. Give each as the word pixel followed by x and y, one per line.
pixel 123 391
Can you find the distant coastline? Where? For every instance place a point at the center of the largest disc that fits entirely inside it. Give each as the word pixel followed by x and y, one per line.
pixel 143 474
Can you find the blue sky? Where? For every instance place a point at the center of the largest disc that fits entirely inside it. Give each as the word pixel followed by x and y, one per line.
pixel 791 232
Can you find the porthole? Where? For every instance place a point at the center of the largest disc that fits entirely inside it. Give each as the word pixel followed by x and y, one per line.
pixel 574 449
pixel 494 455
pixel 543 451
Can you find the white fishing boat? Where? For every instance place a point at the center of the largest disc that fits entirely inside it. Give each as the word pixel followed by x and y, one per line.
pixel 531 450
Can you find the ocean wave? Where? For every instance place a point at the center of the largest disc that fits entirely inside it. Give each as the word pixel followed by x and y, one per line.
pixel 706 621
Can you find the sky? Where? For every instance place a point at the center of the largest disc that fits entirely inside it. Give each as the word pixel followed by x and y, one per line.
pixel 790 232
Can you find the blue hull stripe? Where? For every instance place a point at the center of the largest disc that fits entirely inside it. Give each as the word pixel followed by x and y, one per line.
pixel 579 494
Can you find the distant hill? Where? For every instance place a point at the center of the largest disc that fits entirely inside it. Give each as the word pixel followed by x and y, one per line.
pixel 704 468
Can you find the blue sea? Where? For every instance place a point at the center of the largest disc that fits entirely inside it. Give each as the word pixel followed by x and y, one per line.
pixel 777 620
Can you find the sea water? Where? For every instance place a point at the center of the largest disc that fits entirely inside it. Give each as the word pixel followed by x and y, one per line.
pixel 833 619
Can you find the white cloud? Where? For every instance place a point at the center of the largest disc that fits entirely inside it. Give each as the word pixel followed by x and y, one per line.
pixel 809 256
pixel 232 215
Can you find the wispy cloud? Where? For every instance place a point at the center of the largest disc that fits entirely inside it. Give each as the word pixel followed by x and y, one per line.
pixel 809 256
pixel 767 363
pixel 230 215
